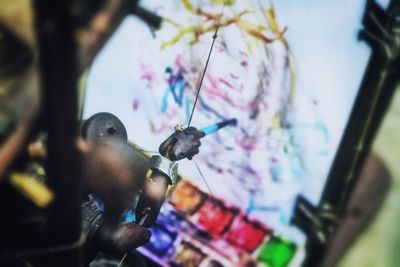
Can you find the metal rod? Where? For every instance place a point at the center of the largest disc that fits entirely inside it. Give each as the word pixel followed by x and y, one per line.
pixel 206 65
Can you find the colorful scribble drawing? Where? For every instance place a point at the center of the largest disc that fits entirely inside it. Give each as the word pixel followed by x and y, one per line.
pixel 254 83
pixel 252 78
pixel 177 85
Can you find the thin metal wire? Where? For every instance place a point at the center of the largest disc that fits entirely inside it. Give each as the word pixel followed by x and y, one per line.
pixel 202 177
pixel 122 260
pixel 206 65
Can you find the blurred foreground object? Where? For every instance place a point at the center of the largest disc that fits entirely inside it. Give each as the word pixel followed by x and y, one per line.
pixel 64 37
pixel 114 172
pixel 365 202
pixel 19 95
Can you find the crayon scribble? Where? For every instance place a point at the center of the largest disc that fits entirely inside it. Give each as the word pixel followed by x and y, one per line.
pixel 261 163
